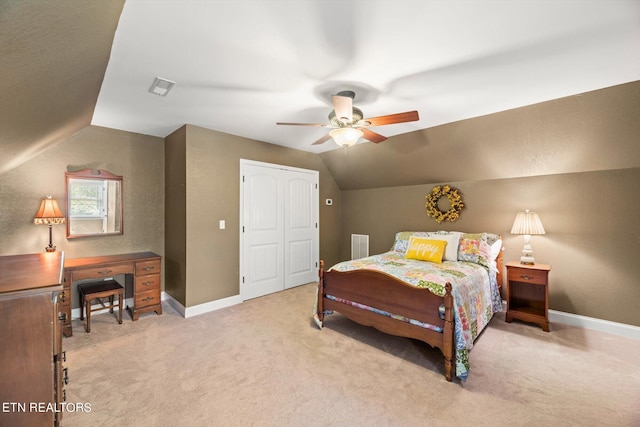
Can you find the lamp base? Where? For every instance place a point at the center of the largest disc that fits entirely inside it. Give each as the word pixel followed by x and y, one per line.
pixel 527 260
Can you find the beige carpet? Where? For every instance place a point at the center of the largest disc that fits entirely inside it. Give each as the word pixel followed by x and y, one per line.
pixel 264 363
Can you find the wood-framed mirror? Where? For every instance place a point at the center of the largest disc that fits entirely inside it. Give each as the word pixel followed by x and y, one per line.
pixel 94 203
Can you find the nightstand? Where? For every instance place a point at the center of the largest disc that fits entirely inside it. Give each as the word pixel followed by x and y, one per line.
pixel 528 293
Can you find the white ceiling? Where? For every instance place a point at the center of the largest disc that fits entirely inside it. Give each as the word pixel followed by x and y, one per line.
pixel 240 66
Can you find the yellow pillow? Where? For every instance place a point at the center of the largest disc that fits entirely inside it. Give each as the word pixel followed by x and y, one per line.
pixel 426 249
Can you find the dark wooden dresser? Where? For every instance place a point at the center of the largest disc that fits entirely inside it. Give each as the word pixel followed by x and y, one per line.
pixel 31 372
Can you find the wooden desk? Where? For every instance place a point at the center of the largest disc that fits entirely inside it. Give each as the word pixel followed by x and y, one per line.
pixel 141 270
pixel 31 353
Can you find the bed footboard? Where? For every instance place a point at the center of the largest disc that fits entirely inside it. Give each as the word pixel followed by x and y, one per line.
pixel 384 292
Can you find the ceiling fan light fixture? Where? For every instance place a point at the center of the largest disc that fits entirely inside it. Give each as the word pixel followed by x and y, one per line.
pixel 346 137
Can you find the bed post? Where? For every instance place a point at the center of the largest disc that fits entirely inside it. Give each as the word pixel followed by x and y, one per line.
pixel 448 341
pixel 320 303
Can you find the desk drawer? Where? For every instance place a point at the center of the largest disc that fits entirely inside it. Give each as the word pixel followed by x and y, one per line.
pixel 147 283
pixel 147 267
pixel 102 272
pixel 527 275
pixel 144 299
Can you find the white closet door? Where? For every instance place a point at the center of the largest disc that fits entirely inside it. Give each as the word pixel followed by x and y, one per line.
pixel 263 223
pixel 279 240
pixel 301 229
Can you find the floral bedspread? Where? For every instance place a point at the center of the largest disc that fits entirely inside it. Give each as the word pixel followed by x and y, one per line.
pixel 474 288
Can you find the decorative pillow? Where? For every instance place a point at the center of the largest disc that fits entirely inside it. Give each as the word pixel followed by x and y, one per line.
pixel 474 250
pixel 426 249
pixel 453 240
pixel 401 243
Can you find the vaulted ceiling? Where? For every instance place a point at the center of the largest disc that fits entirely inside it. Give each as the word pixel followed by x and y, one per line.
pixel 240 66
pixel 54 55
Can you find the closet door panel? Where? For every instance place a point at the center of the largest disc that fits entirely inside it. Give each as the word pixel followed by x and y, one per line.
pixel 301 229
pixel 263 232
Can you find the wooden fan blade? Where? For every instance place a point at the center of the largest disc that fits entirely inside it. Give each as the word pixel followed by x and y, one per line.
pixel 343 106
pixel 372 136
pixel 322 140
pixel 302 124
pixel 409 116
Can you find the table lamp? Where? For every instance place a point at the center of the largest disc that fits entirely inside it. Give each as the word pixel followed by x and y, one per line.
pixel 49 214
pixel 527 223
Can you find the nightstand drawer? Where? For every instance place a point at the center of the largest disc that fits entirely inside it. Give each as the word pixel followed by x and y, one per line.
pixel 527 275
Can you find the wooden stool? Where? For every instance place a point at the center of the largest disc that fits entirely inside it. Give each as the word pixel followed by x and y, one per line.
pixel 88 292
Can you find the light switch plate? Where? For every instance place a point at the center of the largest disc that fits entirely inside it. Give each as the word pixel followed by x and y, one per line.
pixel 222 224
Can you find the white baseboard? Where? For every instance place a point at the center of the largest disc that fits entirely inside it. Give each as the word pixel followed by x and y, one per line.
pixel 75 313
pixel 615 328
pixel 173 303
pixel 182 310
pixel 206 307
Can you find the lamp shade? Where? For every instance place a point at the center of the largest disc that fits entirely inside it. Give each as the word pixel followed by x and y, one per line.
pixel 346 137
pixel 527 223
pixel 49 213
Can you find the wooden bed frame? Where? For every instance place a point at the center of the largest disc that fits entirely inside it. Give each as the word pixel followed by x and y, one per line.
pixel 385 292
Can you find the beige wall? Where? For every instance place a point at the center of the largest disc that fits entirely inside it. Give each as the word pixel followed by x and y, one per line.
pixel 138 158
pixel 590 219
pixel 212 185
pixel 176 214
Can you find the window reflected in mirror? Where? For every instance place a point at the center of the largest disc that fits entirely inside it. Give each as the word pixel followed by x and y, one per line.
pixel 94 203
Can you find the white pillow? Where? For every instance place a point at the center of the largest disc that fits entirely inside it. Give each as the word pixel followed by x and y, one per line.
pixel 495 249
pixel 451 250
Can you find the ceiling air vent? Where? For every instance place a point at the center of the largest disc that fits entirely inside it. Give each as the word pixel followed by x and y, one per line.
pixel 161 86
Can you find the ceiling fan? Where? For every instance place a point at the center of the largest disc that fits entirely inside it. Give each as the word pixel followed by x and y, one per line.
pixel 348 122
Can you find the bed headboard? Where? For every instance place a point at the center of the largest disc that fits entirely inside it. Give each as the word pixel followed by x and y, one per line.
pixel 402 238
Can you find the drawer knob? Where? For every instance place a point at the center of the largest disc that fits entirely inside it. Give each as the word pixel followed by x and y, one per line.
pixel 104 272
pixel 62 316
pixel 525 277
pixel 147 299
pixel 147 283
pixel 148 268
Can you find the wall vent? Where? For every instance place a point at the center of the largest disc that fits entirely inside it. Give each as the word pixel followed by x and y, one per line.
pixel 161 86
pixel 359 246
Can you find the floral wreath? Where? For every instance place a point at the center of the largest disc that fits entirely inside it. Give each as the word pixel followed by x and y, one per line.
pixel 454 198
